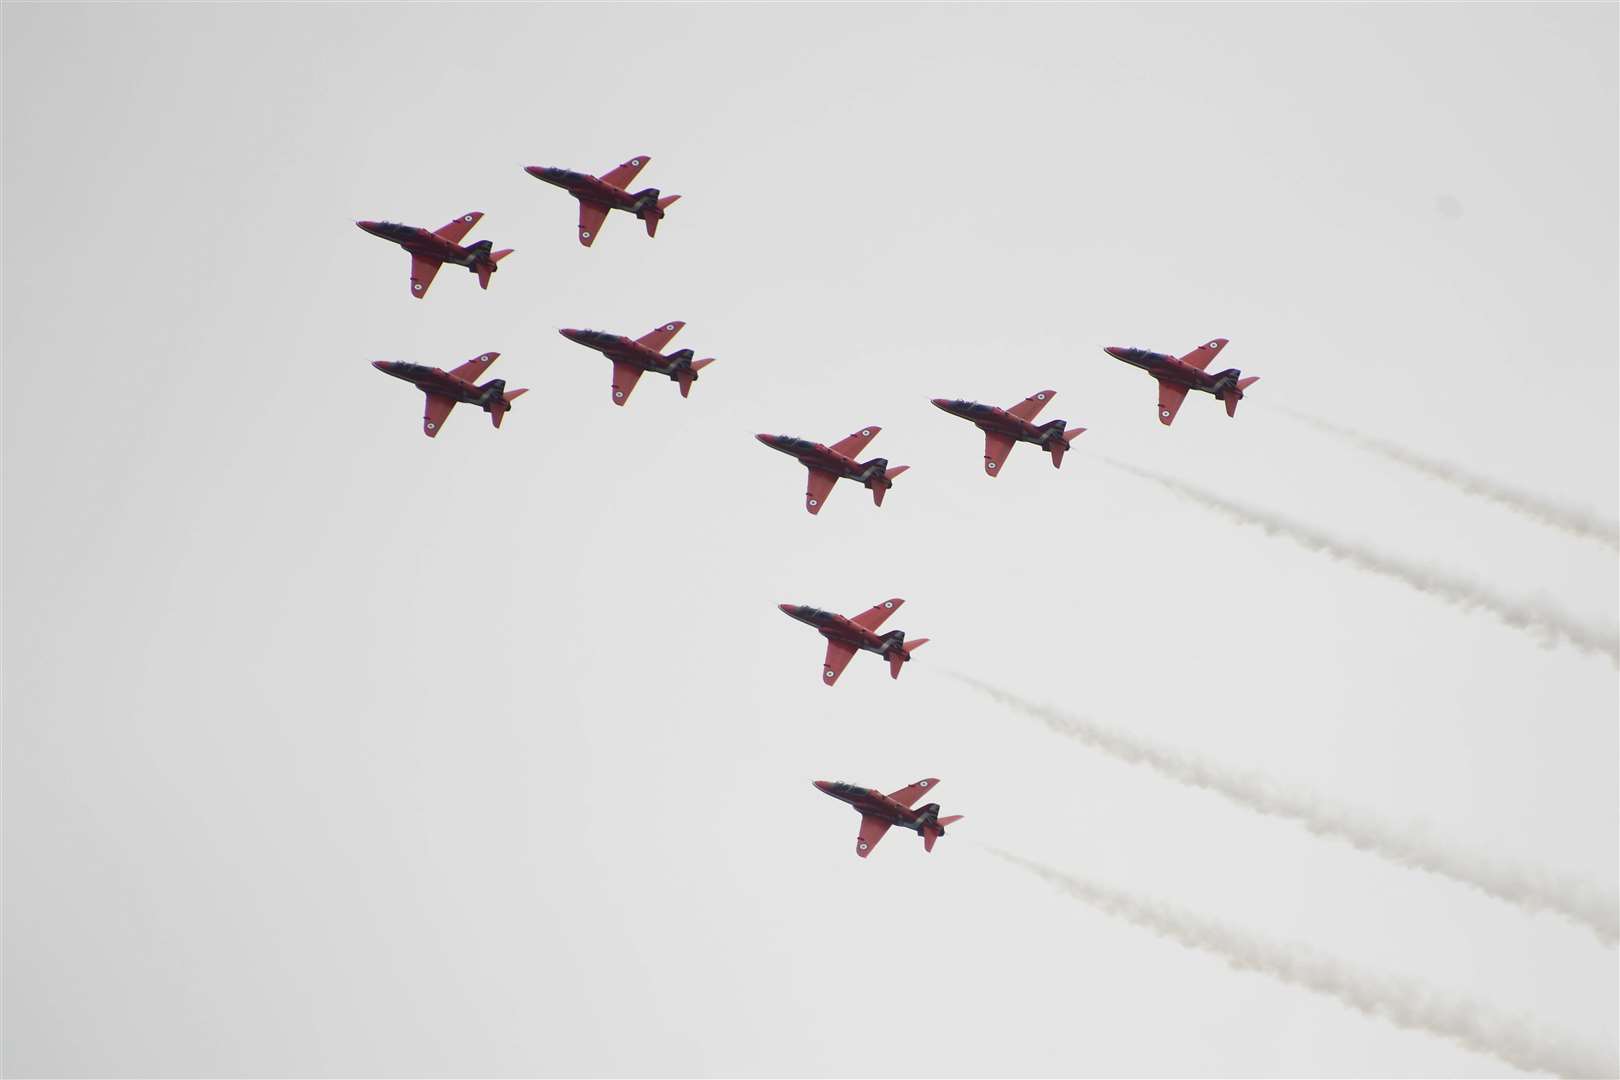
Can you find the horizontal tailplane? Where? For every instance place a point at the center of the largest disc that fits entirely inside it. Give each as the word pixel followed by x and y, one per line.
pixel 653 217
pixel 1234 396
pixel 1058 447
pixel 898 658
pixel 933 830
pixel 499 409
pixel 688 375
pixel 881 484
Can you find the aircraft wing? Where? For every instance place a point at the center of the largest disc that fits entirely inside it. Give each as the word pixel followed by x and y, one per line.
pixel 1171 395
pixel 657 339
pixel 474 369
pixel 458 228
pixel 908 795
pixel 621 175
pixel 838 657
pixel 423 271
pixel 821 485
pixel 625 377
pixel 1201 356
pixel 591 216
pixel 1031 407
pixel 878 614
pixel 872 830
pixel 996 448
pixel 438 409
pixel 850 445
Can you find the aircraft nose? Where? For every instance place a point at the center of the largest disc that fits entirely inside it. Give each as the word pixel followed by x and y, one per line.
pixel 1114 351
pixel 940 402
pixel 822 785
pixel 766 439
pixel 787 609
pixel 380 365
pixel 572 335
pixel 368 226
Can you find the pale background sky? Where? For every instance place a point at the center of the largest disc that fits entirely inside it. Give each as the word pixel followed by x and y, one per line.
pixel 333 749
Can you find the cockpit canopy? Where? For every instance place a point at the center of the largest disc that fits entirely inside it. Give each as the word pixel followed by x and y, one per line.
pixel 1142 354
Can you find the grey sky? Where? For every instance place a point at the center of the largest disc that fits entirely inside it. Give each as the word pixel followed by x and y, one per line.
pixel 330 749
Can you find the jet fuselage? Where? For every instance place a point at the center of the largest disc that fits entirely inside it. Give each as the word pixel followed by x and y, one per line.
pixel 820 456
pixel 989 418
pixel 873 803
pixel 626 350
pixel 835 627
pixel 430 246
pixel 438 381
pixel 1167 368
pixel 593 189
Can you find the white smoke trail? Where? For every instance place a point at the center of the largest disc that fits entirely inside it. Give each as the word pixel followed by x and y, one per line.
pixel 1518 1041
pixel 1528 888
pixel 1538 508
pixel 1540 620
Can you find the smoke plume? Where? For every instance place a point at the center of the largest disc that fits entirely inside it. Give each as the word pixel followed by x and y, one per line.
pixel 1538 508
pixel 1525 887
pixel 1540 620
pixel 1405 1002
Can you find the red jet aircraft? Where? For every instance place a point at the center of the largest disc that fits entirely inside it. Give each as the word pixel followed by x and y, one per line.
pixel 827 464
pixel 1176 377
pixel 445 388
pixel 431 250
pixel 1004 427
pixel 846 637
pixel 599 194
pixel 880 811
pixel 631 358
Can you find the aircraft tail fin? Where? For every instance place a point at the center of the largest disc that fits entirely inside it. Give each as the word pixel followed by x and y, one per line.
pixel 896 659
pixel 664 203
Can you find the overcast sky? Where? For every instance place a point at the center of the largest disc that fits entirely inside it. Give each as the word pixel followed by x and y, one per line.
pixel 333 749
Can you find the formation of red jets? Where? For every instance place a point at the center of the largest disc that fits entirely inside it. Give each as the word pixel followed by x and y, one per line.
pixel 633 357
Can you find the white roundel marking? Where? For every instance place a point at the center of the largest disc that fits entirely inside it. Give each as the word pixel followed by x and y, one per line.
pixel 1040 397
pixel 866 432
pixel 1214 345
pixel 635 161
pixel 586 233
pixel 863 845
pixel 671 326
pixel 1164 412
pixel 888 603
pixel 618 393
pixel 431 425
pixel 922 783
pixel 830 674
pixel 989 464
pixel 416 286
pixel 812 502
pixel 467 218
